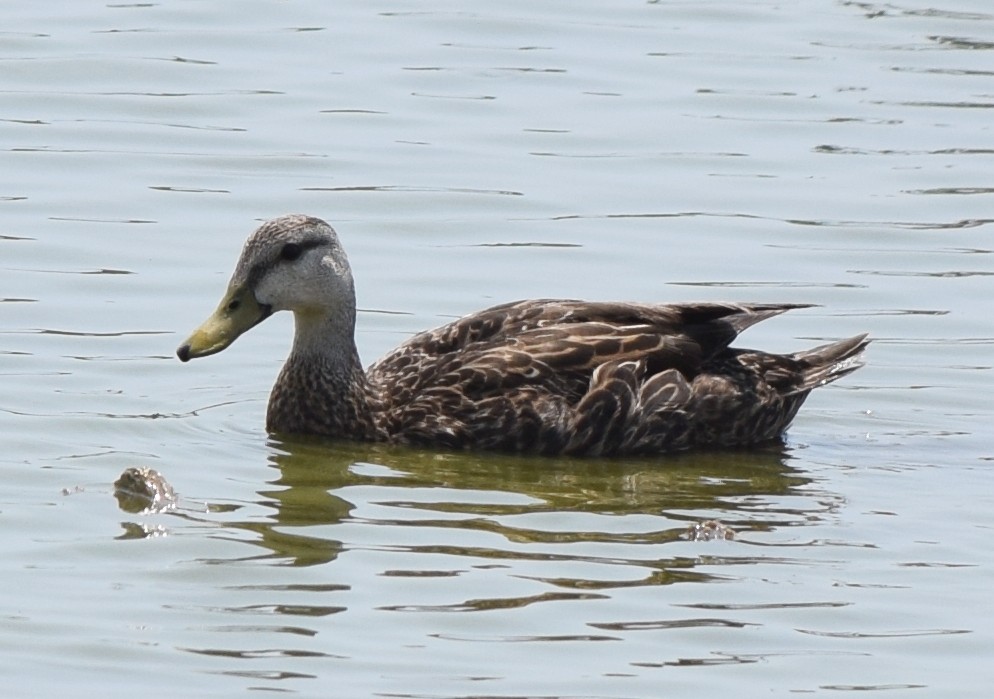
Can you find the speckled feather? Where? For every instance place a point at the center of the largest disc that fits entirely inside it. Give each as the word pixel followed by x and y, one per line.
pixel 570 377
pixel 539 376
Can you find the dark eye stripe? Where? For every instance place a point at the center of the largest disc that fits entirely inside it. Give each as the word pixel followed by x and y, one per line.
pixel 259 269
pixel 293 250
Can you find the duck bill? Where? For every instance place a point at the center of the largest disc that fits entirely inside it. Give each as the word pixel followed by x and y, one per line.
pixel 238 311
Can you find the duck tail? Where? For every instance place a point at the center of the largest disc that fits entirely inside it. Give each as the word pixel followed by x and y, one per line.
pixel 750 314
pixel 827 363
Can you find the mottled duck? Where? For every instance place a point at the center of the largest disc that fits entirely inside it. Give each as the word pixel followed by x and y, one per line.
pixel 539 376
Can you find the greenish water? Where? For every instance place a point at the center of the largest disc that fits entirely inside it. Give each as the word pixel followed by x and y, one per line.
pixel 816 152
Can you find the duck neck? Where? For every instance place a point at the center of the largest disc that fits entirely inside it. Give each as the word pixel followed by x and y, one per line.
pixel 322 388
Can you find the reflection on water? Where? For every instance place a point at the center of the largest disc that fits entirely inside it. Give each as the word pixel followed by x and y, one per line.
pixel 522 500
pixel 432 534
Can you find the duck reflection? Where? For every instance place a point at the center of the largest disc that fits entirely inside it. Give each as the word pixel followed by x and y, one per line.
pixel 524 500
pixel 310 468
pixel 320 484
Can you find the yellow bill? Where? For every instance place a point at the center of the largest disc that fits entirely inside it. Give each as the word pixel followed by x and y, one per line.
pixel 238 311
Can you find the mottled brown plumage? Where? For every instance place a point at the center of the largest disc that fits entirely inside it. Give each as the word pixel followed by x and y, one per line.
pixel 540 376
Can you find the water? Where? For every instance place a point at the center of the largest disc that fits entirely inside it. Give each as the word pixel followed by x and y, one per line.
pixel 821 152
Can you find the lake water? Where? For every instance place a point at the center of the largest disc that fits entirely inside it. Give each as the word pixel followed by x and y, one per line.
pixel 836 153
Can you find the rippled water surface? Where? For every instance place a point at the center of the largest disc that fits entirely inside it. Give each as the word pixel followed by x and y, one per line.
pixel 836 153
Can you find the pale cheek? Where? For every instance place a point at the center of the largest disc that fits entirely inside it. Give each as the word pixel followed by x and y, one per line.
pixel 297 295
pixel 278 296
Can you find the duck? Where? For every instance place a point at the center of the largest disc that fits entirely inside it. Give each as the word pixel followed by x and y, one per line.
pixel 542 376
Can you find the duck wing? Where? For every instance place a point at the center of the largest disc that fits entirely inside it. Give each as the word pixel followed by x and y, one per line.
pixel 715 324
pixel 554 375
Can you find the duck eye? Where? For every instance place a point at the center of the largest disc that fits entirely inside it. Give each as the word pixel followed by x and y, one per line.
pixel 290 252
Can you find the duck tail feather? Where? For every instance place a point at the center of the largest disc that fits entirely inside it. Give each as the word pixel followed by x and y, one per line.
pixel 753 313
pixel 827 363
